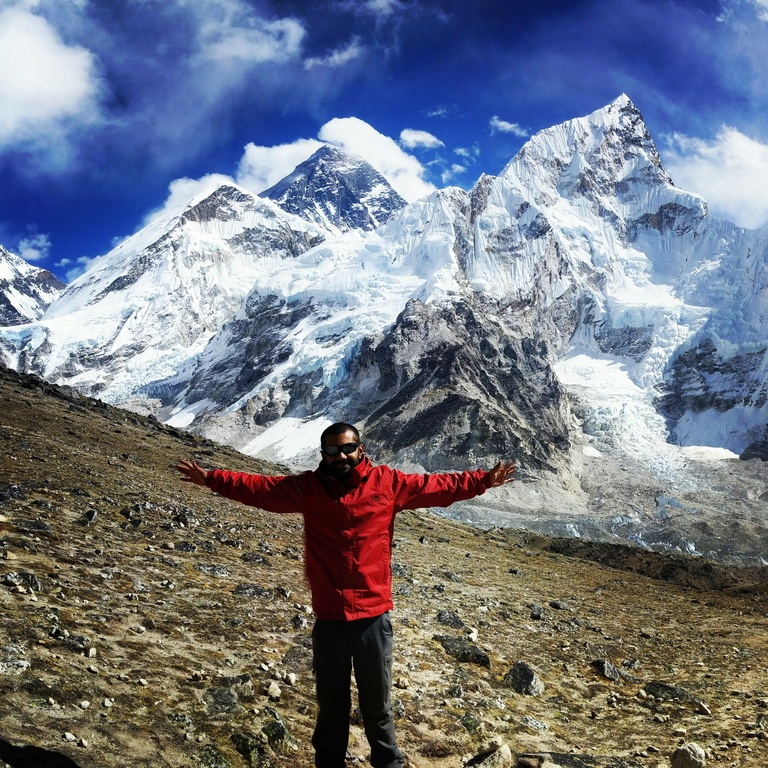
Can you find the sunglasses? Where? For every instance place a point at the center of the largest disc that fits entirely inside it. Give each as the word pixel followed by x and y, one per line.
pixel 334 450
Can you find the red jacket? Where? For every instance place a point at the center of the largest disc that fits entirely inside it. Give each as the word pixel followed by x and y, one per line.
pixel 348 525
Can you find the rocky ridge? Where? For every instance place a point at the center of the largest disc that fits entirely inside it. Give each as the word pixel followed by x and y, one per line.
pixel 150 623
pixel 25 290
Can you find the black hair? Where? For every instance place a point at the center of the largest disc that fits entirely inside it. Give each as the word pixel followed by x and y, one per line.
pixel 339 428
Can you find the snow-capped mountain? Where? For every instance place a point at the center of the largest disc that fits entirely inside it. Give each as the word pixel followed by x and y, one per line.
pixel 577 306
pixel 131 328
pixel 25 290
pixel 337 190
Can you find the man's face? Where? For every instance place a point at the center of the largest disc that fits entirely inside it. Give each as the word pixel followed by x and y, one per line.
pixel 342 463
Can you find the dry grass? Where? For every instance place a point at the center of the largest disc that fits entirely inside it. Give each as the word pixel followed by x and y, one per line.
pixel 167 627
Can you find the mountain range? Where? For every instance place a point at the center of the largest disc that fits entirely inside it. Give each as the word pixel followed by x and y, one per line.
pixel 578 312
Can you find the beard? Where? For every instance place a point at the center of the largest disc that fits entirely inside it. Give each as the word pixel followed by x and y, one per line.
pixel 341 468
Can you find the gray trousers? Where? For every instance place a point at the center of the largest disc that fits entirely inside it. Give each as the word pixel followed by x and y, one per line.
pixel 366 646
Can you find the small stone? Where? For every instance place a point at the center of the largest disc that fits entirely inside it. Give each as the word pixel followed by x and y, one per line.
pixel 107 703
pixel 142 681
pixel 690 755
pixel 494 743
pixel 91 653
pixel 83 743
pixel 273 691
pixel 523 679
pixel 69 736
pixel 85 704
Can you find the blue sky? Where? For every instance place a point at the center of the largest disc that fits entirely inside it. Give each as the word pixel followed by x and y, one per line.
pixel 113 110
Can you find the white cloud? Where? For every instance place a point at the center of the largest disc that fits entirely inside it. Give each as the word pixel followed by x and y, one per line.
pixel 262 167
pixel 502 126
pixel 730 172
pixel 75 268
pixel 452 172
pixel 411 139
pixel 383 8
pixel 761 9
pixel 230 30
pixel 34 247
pixel 468 153
pixel 403 171
pixel 42 80
pixel 337 58
pixel 183 192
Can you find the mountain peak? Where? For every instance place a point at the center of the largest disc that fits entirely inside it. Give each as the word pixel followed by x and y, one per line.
pixel 337 190
pixel 25 290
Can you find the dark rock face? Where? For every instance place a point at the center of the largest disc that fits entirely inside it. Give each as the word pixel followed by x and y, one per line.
pixel 337 188
pixel 453 386
pixel 704 378
pixel 27 294
pixel 258 341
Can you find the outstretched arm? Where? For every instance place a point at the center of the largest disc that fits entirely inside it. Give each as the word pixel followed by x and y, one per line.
pixel 273 493
pixel 501 473
pixel 193 472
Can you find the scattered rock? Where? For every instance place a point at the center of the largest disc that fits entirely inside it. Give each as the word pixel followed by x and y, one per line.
pixel 25 580
pixel 522 678
pixel 464 651
pixel 254 590
pixel 220 571
pixel 534 724
pixel 610 671
pixel 222 700
pixel 493 754
pixel 449 619
pixel 690 755
pixel 666 692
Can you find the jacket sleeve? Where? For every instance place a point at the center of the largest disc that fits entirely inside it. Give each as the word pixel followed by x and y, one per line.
pixel 279 493
pixel 438 490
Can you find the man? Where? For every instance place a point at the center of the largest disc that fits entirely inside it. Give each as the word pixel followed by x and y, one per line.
pixel 349 509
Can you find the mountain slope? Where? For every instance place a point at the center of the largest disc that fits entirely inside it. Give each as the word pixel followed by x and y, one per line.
pixel 25 290
pixel 149 618
pixel 130 326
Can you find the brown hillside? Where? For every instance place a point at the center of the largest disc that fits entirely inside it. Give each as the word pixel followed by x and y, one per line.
pixel 144 621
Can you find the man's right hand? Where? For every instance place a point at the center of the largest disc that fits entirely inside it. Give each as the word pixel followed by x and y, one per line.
pixel 193 472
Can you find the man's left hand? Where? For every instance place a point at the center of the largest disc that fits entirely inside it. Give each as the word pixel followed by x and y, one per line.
pixel 501 473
